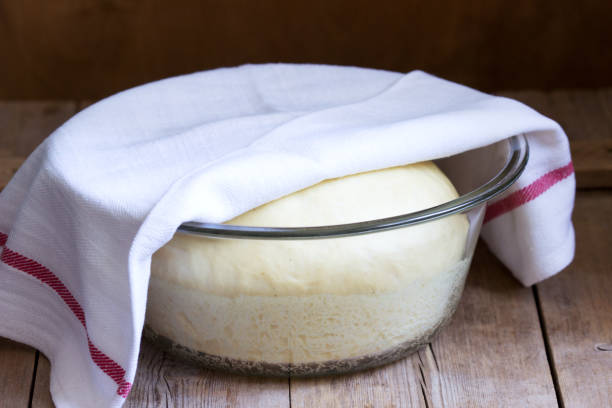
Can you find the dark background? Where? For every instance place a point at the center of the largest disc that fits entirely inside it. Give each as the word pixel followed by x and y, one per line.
pixel 80 49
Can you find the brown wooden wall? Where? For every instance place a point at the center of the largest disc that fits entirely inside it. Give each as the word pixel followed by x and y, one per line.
pixel 91 48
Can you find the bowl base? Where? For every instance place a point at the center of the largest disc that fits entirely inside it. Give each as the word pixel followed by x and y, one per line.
pixel 307 369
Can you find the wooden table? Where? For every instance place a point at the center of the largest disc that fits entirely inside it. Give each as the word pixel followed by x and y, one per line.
pixel 507 346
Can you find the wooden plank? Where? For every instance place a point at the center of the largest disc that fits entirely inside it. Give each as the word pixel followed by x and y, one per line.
pixel 85 103
pixel 492 354
pixel 583 114
pixel 24 124
pixel 16 373
pixel 41 395
pixel 586 117
pixel 8 167
pixel 592 162
pixel 163 381
pixel 79 49
pixel 577 305
pixel 396 385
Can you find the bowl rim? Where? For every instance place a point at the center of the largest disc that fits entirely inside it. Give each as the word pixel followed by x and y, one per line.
pixel 511 171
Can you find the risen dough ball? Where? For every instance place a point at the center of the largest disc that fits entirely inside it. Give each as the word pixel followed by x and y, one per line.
pixel 294 303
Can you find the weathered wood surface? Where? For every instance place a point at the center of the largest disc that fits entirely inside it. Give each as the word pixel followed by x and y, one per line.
pixel 23 125
pixel 8 167
pixel 41 395
pixel 492 353
pixel 16 373
pixel 163 381
pixel 577 308
pixel 91 48
pixel 584 114
pixel 497 326
pixel 586 117
pixel 593 162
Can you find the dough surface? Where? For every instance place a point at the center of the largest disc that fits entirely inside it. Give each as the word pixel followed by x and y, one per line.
pixel 303 301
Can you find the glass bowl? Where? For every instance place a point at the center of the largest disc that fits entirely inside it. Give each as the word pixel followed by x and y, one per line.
pixel 338 330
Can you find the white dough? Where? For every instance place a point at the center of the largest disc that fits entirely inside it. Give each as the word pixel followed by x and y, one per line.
pixel 316 300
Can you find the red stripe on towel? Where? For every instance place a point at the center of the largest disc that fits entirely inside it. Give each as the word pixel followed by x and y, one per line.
pixel 43 274
pixel 528 193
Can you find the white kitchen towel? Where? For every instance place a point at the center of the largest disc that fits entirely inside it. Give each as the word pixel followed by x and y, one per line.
pixel 83 215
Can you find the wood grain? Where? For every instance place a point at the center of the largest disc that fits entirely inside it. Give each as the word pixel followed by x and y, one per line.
pixel 396 385
pixel 491 355
pixel 586 117
pixel 583 114
pixel 8 167
pixel 85 103
pixel 577 305
pixel 24 124
pixel 90 48
pixel 593 162
pixel 16 373
pixel 163 381
pixel 41 395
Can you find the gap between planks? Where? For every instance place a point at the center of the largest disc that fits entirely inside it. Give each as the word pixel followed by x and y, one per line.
pixel 549 355
pixel 576 307
pixel 36 356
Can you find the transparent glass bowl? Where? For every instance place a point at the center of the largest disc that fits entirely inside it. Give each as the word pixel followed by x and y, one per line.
pixel 339 331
